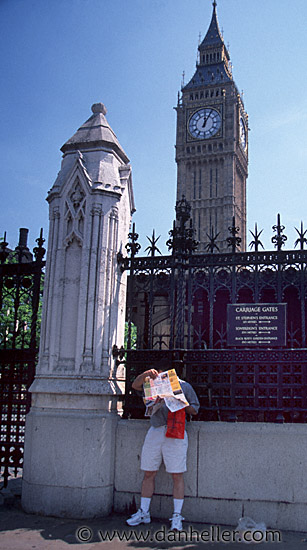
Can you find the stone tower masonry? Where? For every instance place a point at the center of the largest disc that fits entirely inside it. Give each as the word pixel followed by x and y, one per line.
pixel 212 144
pixel 70 430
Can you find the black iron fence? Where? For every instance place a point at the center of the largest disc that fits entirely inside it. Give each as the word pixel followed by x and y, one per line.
pixel 21 276
pixel 232 385
pixel 183 304
pixel 177 305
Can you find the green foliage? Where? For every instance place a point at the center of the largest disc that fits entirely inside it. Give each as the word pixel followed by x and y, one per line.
pixel 134 333
pixel 19 311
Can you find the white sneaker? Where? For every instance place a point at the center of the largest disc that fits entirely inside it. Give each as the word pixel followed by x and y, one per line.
pixel 139 517
pixel 176 522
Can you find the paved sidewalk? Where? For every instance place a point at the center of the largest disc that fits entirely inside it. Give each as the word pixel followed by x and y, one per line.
pixel 21 531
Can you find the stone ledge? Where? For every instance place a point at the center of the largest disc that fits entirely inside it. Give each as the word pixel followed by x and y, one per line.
pixel 276 515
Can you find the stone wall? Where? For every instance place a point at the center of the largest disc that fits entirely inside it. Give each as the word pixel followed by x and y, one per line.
pixel 235 469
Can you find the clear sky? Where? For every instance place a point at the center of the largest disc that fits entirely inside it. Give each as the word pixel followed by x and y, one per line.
pixel 60 56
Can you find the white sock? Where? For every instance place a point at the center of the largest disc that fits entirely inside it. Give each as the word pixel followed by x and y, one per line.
pixel 145 504
pixel 178 503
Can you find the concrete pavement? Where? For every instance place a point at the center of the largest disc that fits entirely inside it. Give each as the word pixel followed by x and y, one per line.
pixel 21 531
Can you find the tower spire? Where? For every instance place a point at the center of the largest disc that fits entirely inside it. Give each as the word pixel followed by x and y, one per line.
pixel 212 49
pixel 213 35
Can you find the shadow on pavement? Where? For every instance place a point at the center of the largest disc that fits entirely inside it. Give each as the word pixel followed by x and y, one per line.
pixel 22 531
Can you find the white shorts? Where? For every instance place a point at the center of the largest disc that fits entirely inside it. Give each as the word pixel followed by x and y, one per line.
pixel 173 451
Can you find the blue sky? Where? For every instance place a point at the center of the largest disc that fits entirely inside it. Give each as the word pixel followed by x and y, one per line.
pixel 59 57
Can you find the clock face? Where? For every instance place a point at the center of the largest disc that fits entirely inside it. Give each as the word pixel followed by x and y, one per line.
pixel 205 123
pixel 243 140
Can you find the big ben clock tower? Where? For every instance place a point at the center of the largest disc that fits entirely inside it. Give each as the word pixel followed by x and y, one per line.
pixel 212 144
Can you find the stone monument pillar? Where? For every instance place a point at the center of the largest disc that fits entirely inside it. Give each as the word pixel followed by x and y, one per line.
pixel 71 427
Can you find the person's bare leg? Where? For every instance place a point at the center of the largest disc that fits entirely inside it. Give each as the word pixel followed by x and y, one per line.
pixel 178 494
pixel 148 484
pixel 143 514
pixel 178 486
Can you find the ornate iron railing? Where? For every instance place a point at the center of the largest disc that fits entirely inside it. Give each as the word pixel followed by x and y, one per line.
pixel 178 304
pixel 20 292
pixel 181 302
pixel 232 385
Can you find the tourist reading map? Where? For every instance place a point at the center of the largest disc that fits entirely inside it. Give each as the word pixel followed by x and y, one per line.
pixel 167 399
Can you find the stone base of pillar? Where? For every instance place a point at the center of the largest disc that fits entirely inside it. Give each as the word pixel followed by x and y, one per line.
pixel 67 502
pixel 69 462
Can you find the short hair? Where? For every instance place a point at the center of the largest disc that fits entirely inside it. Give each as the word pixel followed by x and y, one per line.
pixel 163 364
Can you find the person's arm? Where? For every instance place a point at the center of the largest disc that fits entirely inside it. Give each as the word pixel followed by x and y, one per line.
pixel 192 398
pixel 140 379
pixel 190 410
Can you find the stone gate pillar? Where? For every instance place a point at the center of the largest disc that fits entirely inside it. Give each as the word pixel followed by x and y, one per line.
pixel 71 427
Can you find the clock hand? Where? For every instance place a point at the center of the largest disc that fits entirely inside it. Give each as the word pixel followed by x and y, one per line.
pixel 206 118
pixel 205 122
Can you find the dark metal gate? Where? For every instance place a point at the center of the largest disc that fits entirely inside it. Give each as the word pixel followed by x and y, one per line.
pixel 177 308
pixel 20 292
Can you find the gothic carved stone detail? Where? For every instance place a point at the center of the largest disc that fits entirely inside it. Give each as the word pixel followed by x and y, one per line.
pixel 55 213
pixel 75 206
pixel 96 210
pixel 114 213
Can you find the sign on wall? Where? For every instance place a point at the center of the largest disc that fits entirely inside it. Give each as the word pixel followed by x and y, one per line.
pixel 256 325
